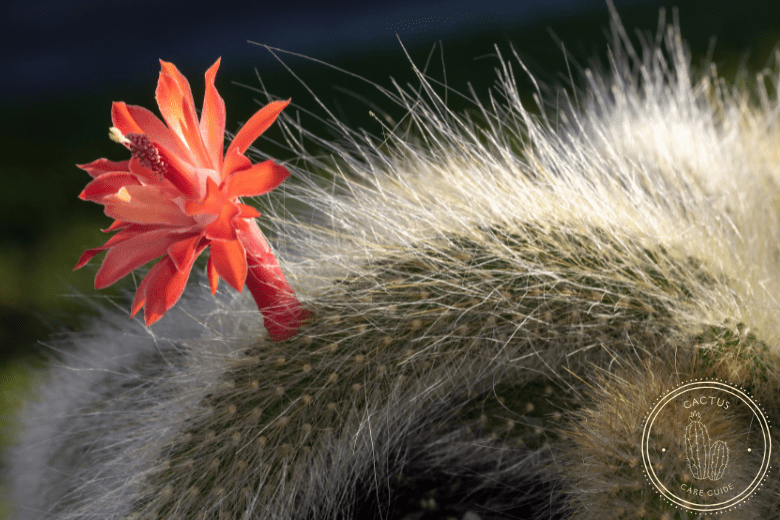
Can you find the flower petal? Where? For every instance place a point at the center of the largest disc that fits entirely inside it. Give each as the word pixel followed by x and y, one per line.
pixel 132 119
pixel 161 289
pixel 142 173
pixel 125 234
pixel 183 252
pixel 247 211
pixel 222 228
pixel 213 276
pixel 117 224
pixel 256 180
pixel 87 255
pixel 177 157
pixel 134 252
pixel 229 259
pixel 123 120
pixel 140 293
pixel 211 203
pixel 234 161
pixel 256 125
pixel 212 120
pixel 145 205
pixel 107 184
pixel 174 97
pixel 103 166
pixel 180 172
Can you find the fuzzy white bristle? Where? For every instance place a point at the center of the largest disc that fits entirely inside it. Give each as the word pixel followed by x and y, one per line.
pixel 496 305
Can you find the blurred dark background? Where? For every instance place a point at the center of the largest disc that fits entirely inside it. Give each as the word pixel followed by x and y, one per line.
pixel 64 62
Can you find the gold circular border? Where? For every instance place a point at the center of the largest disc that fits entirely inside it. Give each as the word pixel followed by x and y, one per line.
pixel 757 412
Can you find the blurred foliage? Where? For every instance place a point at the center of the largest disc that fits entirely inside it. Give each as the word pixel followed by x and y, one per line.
pixel 44 227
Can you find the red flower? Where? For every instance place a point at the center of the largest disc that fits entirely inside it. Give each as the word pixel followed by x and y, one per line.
pixel 177 195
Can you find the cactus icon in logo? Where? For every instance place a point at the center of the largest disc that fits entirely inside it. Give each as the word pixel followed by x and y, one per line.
pixel 706 460
pixel 706 446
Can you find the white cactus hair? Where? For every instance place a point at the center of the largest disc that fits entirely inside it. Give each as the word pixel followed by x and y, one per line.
pixel 496 304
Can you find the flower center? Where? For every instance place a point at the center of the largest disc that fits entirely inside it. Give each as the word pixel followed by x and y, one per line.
pixel 143 149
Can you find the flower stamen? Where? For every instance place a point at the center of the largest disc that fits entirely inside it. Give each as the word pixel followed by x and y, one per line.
pixel 142 148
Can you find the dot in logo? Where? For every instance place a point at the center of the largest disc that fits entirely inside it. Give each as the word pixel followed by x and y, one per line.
pixel 706 446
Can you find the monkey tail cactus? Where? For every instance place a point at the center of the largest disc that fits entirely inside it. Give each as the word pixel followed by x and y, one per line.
pixel 494 309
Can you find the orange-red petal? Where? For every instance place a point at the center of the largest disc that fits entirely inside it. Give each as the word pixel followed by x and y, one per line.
pixel 132 119
pixel 234 161
pixel 142 173
pixel 106 185
pixel 117 224
pixel 134 252
pixel 125 234
pixel 145 205
pixel 123 120
pixel 212 120
pixel 103 166
pixel 183 252
pixel 213 275
pixel 87 255
pixel 256 180
pixel 161 289
pixel 140 295
pixel 222 228
pixel 211 203
pixel 256 125
pixel 174 97
pixel 247 211
pixel 180 172
pixel 165 287
pixel 229 259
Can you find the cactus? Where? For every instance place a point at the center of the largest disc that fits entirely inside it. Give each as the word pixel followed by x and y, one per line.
pixel 697 447
pixel 719 459
pixel 706 459
pixel 493 311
